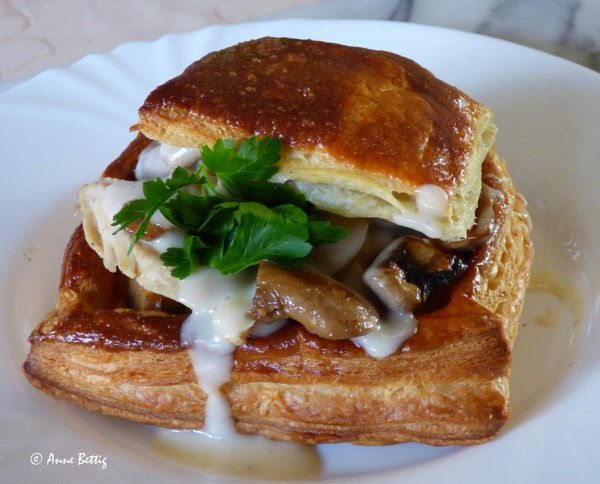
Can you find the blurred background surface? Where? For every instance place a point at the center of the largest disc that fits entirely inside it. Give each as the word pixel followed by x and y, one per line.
pixel 36 35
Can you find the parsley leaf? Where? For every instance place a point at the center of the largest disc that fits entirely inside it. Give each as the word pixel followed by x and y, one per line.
pixel 186 210
pixel 253 160
pixel 324 232
pixel 258 238
pixel 292 213
pixel 244 171
pixel 185 259
pixel 157 192
pixel 235 223
pixel 268 193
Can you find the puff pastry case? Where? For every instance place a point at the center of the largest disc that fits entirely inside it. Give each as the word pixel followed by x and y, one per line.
pixel 306 241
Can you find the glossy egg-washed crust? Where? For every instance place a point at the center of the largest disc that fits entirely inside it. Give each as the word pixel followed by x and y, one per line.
pixel 446 385
pixel 365 121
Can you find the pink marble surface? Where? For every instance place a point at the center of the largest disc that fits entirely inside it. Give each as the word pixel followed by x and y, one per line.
pixel 36 35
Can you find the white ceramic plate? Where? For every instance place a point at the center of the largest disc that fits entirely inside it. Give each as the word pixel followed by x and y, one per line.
pixel 60 129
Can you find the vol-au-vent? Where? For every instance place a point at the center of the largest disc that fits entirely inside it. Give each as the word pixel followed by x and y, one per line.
pixel 307 242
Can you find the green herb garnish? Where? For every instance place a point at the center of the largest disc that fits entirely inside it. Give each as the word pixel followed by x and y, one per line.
pixel 233 217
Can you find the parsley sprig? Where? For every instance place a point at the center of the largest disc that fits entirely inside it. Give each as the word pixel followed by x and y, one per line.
pixel 232 216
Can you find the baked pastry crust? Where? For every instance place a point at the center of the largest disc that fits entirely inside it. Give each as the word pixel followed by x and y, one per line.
pixel 363 129
pixel 446 385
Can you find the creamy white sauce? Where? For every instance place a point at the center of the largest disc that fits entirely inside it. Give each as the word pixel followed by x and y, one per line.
pixel 432 200
pixel 262 330
pixel 249 457
pixel 160 220
pixel 115 193
pixel 369 274
pixel 158 160
pixel 217 325
pixel 331 258
pixel 391 333
pixel 397 327
pixel 219 305
pixel 175 156
pixel 171 238
pixel 213 369
pixel 429 226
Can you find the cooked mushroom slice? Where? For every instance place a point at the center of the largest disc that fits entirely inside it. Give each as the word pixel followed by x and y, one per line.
pixel 322 305
pixel 409 270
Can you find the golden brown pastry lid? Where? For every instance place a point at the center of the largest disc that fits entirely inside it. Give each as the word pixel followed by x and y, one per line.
pixel 371 111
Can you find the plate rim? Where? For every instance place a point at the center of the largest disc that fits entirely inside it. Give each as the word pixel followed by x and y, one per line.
pixel 260 25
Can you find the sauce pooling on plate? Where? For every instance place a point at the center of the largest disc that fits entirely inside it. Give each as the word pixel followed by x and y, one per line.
pixel 217 324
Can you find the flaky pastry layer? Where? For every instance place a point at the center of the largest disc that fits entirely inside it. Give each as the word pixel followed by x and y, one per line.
pixel 446 385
